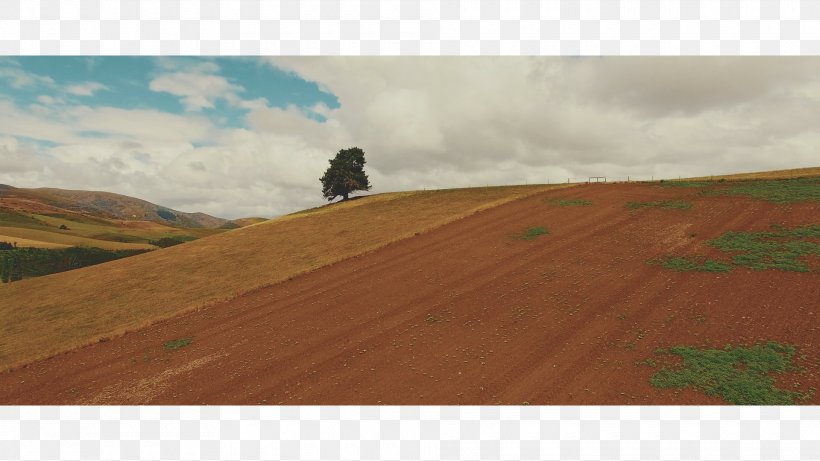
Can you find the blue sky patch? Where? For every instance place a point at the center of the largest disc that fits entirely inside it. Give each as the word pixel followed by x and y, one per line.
pixel 143 83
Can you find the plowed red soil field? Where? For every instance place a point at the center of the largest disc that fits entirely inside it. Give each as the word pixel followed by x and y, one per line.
pixel 470 314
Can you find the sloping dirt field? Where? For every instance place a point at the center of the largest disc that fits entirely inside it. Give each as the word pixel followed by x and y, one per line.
pixel 470 313
pixel 48 315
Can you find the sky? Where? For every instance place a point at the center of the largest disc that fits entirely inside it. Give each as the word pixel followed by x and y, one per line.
pixel 245 136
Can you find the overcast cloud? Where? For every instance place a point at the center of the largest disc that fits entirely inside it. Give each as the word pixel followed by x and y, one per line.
pixel 423 123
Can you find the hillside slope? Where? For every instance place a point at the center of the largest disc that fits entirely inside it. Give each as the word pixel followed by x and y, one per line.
pixel 46 239
pixel 72 308
pixel 100 204
pixel 242 222
pixel 53 218
pixel 811 172
pixel 471 312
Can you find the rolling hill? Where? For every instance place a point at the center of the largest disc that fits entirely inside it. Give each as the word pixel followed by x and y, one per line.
pixel 101 205
pixel 77 307
pixel 532 294
pixel 56 218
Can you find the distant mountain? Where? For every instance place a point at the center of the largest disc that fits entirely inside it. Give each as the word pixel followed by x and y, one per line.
pixel 101 205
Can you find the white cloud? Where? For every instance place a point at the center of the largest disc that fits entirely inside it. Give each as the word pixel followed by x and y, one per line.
pixel 18 122
pixel 85 89
pixel 71 125
pixel 204 66
pixel 49 100
pixel 250 104
pixel 142 124
pixel 17 158
pixel 197 91
pixel 19 78
pixel 199 86
pixel 460 117
pixel 683 85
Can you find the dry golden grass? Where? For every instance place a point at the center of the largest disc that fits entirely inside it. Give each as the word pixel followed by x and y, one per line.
pixel 55 313
pixel 777 174
pixel 27 243
pixel 63 240
pixel 242 222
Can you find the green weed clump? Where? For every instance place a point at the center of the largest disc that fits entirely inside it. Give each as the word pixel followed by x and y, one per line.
pixel 569 202
pixel 579 202
pixel 782 249
pixel 685 184
pixel 178 343
pixel 665 204
pixel 694 263
pixel 740 375
pixel 534 232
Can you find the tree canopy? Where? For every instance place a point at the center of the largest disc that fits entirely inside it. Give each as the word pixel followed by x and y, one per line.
pixel 345 174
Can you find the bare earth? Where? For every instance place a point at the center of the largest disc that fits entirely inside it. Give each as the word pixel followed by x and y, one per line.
pixel 469 314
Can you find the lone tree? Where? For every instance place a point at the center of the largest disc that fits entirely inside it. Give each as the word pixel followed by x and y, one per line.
pixel 345 174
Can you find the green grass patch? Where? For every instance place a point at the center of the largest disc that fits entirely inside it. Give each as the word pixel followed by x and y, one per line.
pixel 665 204
pixel 569 202
pixel 533 232
pixel 170 241
pixel 686 184
pixel 772 190
pixel 740 375
pixel 782 249
pixel 77 218
pixel 10 218
pixel 103 230
pixel 178 343
pixel 118 237
pixel 776 191
pixel 693 263
pixel 578 202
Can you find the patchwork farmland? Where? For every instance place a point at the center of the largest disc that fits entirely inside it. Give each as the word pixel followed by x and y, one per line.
pixel 592 294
